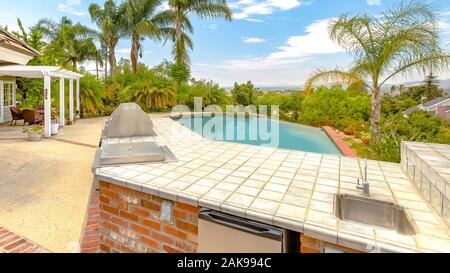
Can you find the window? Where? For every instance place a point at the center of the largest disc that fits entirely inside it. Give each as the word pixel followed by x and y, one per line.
pixel 8 96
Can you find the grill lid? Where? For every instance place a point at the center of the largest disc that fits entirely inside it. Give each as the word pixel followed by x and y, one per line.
pixel 128 120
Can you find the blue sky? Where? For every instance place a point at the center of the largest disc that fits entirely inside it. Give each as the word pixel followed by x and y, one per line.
pixel 271 42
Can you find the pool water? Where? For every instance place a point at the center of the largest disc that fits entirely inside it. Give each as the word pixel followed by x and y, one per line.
pixel 262 132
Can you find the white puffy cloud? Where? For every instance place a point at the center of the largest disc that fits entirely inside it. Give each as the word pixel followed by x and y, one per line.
pixel 246 8
pixel 253 40
pixel 211 26
pixel 68 7
pixel 374 2
pixel 296 50
pixel 253 20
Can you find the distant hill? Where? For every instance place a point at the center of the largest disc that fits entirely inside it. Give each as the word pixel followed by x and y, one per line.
pixel 445 84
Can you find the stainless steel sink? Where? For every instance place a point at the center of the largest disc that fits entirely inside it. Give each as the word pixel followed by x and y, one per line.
pixel 373 212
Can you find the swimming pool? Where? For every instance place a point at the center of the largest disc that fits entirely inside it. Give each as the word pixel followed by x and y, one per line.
pixel 254 130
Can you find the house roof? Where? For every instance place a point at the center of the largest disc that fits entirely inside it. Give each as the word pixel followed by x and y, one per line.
pixel 8 38
pixel 34 72
pixel 434 102
pixel 425 106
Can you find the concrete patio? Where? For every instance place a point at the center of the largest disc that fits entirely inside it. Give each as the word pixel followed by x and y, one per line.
pixel 45 186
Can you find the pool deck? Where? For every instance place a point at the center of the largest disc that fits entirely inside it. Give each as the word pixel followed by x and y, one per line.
pixel 290 189
pixel 45 185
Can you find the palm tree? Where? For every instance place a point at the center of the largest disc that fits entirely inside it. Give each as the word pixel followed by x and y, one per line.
pixel 110 21
pixel 142 19
pixel 177 25
pixel 151 95
pixel 404 40
pixel 69 44
pixel 97 56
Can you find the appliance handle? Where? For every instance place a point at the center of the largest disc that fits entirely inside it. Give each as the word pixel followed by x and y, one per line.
pixel 241 224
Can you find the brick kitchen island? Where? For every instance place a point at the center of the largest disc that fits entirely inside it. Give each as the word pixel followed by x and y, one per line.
pixel 131 221
pixel 154 207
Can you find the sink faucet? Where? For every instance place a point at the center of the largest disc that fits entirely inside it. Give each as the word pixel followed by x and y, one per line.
pixel 364 186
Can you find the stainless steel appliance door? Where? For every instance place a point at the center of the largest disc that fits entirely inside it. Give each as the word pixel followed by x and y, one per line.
pixel 221 233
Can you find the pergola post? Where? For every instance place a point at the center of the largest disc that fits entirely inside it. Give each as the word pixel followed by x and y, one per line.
pixel 47 107
pixel 78 99
pixel 71 101
pixel 62 115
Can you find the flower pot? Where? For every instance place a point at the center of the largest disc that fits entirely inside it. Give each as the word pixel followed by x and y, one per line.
pixel 55 128
pixel 33 136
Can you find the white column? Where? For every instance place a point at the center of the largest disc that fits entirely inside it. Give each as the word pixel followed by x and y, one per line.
pixel 62 115
pixel 71 101
pixel 1 102
pixel 78 99
pixel 14 94
pixel 47 107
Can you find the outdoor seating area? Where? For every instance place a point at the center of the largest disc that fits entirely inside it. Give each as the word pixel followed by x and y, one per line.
pixel 27 116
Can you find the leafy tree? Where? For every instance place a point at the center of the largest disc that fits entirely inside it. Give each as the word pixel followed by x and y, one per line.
pixel 418 126
pixel 432 89
pixel 209 91
pixel 402 40
pixel 177 25
pixel 243 94
pixel 33 38
pixel 289 103
pixel 391 105
pixel 110 21
pixel 348 111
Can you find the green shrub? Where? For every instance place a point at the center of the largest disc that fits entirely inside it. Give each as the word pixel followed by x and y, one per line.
pixel 92 95
pixel 418 126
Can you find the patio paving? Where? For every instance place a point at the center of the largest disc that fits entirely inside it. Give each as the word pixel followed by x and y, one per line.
pixel 45 186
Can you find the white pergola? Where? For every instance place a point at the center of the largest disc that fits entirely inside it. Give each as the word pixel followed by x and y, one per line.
pixel 47 73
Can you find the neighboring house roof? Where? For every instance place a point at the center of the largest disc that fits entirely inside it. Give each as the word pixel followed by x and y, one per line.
pixel 434 102
pixel 14 50
pixel 427 105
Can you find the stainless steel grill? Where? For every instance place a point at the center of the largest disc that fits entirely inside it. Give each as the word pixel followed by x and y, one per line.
pixel 128 120
pixel 120 143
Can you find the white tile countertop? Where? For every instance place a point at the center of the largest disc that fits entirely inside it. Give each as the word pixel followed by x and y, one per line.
pixel 289 189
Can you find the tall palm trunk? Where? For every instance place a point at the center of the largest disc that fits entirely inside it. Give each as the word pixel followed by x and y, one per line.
pixel 375 121
pixel 106 67
pixel 112 60
pixel 136 40
pixel 178 33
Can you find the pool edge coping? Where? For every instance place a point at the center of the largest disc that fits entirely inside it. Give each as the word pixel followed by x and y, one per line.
pixel 345 149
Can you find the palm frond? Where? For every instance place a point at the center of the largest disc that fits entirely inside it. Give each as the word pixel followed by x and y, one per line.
pixel 322 77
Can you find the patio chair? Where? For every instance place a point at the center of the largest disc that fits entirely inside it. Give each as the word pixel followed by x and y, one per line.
pixel 16 115
pixel 32 117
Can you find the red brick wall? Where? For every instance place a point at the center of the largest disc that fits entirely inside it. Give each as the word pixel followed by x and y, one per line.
pixel 311 245
pixel 131 222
